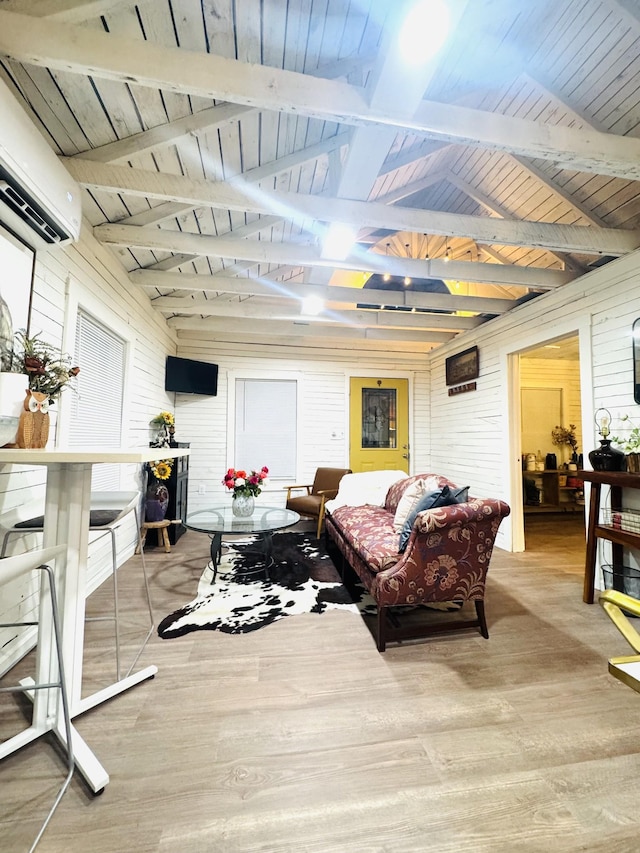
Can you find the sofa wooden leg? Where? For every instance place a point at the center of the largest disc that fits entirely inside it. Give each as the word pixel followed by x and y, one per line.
pixel 481 619
pixel 381 629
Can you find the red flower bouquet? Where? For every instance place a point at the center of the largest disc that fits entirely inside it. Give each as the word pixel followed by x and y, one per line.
pixel 246 484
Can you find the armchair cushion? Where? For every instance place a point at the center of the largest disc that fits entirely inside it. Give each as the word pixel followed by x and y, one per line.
pixel 310 504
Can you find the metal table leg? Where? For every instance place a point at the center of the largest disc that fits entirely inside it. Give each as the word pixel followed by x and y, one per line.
pixel 216 554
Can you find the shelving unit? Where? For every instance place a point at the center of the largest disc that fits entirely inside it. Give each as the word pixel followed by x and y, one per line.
pixel 556 498
pixel 620 539
pixel 178 485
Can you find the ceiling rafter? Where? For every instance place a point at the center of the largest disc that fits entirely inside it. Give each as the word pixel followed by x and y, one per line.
pixel 78 50
pixel 497 209
pixel 268 286
pixel 309 256
pixel 351 335
pixel 238 196
pixel 293 311
pixel 69 11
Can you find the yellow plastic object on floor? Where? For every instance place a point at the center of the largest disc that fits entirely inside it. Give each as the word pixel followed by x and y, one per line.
pixel 627 667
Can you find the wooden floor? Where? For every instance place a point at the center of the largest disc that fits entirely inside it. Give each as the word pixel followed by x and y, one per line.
pixel 301 737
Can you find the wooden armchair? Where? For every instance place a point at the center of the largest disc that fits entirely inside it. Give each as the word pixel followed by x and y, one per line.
pixel 324 488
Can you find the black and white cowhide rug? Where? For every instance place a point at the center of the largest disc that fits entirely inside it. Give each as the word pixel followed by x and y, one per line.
pixel 302 579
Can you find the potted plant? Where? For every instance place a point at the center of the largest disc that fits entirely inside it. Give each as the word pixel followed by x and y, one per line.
pixel 566 436
pixel 629 443
pixel 42 372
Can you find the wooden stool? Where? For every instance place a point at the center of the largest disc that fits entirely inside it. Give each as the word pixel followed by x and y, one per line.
pixel 163 536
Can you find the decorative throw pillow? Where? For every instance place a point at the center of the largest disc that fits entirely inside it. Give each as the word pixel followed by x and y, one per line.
pixel 407 503
pixel 460 496
pixel 432 483
pixel 441 497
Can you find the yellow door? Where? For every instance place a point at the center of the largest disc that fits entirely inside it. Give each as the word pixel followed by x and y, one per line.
pixel 379 424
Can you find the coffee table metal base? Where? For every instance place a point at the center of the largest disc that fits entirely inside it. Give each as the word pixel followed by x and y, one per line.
pixel 219 521
pixel 264 546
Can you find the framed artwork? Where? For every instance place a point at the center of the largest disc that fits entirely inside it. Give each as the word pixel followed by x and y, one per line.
pixel 462 367
pixel 16 262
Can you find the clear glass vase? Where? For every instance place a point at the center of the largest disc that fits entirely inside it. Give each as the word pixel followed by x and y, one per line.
pixel 242 506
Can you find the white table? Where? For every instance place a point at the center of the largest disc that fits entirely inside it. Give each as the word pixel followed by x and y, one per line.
pixel 66 522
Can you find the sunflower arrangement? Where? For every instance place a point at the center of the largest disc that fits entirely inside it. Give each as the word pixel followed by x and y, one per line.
pixel 161 470
pixel 164 419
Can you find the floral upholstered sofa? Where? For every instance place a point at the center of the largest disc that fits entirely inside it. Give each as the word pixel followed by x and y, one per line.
pixel 406 555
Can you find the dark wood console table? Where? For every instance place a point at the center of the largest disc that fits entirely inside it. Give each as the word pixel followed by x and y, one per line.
pixel 617 480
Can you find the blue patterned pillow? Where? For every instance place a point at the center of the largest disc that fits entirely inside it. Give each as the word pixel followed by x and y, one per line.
pixel 441 497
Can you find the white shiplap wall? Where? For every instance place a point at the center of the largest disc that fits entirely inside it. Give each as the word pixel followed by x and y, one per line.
pixel 86 273
pixel 600 307
pixel 323 384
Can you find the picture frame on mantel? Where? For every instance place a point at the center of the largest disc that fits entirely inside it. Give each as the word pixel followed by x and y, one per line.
pixel 462 367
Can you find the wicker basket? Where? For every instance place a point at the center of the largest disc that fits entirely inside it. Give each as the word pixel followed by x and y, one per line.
pixel 622 578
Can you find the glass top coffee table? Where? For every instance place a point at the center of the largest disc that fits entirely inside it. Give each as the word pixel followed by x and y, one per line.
pixel 219 521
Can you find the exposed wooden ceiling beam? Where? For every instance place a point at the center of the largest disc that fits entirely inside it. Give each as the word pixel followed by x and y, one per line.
pixel 574 203
pixel 493 207
pixel 369 146
pixel 166 134
pixel 89 52
pixel 309 256
pixel 288 331
pixel 197 283
pixel 300 207
pixel 69 11
pixel 426 149
pixel 292 310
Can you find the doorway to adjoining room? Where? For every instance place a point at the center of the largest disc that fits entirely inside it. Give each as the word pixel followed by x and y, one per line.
pixel 551 435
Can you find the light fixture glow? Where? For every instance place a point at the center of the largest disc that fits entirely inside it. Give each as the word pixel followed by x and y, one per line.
pixel 426 16
pixel 312 306
pixel 339 240
pixel 386 277
pixel 407 280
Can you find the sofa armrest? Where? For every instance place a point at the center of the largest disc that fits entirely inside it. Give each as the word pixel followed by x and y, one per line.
pixel 459 515
pixel 447 556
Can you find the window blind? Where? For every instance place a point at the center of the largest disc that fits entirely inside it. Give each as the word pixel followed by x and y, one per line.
pixel 266 426
pixel 96 404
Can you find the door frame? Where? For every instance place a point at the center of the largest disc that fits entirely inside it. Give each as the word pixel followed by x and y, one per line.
pixel 510 367
pixel 380 374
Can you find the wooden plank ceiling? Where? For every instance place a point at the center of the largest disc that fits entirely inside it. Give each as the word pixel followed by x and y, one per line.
pixel 217 141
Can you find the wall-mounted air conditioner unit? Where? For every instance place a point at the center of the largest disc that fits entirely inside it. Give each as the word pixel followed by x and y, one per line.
pixel 39 200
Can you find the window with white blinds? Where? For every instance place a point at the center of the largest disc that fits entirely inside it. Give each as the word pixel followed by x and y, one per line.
pixel 97 402
pixel 266 426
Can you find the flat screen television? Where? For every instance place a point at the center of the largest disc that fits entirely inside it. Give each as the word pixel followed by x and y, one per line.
pixel 187 376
